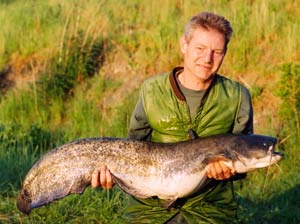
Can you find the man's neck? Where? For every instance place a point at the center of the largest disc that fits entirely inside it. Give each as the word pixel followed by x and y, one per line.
pixel 193 83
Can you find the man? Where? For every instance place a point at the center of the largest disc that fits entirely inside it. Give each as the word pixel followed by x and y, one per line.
pixel 191 101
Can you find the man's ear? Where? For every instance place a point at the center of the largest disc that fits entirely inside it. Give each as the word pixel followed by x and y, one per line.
pixel 183 44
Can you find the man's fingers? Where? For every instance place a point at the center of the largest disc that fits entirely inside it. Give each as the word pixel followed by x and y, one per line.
pixel 212 173
pixel 109 180
pixel 208 173
pixel 219 171
pixel 219 175
pixel 233 172
pixel 95 179
pixel 99 177
pixel 103 180
pixel 225 172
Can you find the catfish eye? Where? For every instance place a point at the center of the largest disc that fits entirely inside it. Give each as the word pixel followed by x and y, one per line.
pixel 265 144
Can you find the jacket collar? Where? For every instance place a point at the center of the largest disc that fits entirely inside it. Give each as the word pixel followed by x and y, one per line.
pixel 173 77
pixel 173 80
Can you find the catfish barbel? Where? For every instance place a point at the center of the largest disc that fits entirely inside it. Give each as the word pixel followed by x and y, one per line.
pixel 142 169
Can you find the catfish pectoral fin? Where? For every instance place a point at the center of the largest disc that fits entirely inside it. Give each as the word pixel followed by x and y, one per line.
pixel 129 189
pixel 168 204
pixel 79 186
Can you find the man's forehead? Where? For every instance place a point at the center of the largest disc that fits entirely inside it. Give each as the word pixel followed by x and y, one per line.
pixel 201 35
pixel 201 29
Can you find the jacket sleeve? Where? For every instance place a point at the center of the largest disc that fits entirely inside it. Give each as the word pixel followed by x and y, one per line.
pixel 139 127
pixel 244 120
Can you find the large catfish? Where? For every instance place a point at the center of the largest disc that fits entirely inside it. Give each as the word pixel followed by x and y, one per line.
pixel 142 169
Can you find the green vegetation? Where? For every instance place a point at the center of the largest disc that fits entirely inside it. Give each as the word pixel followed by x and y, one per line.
pixel 72 69
pixel 289 92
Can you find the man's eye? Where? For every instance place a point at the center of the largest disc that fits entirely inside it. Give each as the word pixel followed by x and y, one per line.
pixel 219 52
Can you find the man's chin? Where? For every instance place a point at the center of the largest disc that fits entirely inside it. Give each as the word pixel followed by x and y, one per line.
pixel 205 76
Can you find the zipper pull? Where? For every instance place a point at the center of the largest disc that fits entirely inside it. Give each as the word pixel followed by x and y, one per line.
pixel 192 134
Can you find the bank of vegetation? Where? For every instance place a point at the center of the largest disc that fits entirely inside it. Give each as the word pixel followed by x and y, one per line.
pixel 72 69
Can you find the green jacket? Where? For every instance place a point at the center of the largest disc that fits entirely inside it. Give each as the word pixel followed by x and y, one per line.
pixel 168 113
pixel 169 120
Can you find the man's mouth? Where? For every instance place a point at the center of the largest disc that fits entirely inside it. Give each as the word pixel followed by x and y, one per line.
pixel 204 66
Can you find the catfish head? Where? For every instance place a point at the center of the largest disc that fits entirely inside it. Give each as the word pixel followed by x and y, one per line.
pixel 249 152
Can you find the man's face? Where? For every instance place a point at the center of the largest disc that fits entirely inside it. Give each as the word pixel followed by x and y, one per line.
pixel 203 54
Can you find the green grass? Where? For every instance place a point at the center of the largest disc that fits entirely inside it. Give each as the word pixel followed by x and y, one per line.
pixel 94 206
pixel 27 27
pixel 82 52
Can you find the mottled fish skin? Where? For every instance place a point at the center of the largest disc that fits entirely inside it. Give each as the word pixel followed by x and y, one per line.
pixel 142 169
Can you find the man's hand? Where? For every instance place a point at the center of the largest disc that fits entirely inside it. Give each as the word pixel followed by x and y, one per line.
pixel 102 178
pixel 219 170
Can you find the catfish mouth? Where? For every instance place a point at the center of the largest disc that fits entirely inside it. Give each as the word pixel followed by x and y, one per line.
pixel 273 154
pixel 274 157
pixel 278 154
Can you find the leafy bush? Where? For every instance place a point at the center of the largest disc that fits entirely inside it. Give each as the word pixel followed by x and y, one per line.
pixel 75 63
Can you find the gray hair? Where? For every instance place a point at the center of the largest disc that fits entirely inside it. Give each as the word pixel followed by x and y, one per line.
pixel 208 20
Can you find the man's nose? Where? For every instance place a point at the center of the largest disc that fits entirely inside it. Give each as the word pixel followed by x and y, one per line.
pixel 208 56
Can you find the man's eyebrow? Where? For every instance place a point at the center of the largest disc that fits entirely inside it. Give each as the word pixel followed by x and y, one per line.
pixel 200 45
pixel 203 45
pixel 219 49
